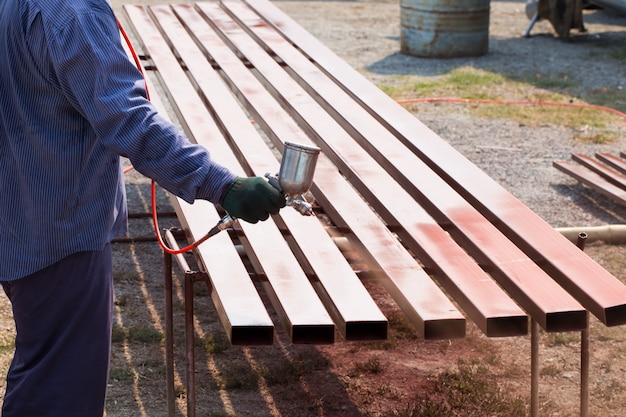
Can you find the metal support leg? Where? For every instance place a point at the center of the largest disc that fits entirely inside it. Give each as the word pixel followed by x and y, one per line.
pixel 532 23
pixel 169 335
pixel 190 364
pixel 190 346
pixel 584 351
pixel 534 369
pixel 584 371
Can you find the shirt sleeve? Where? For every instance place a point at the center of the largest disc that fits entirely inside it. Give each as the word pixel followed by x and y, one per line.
pixel 96 76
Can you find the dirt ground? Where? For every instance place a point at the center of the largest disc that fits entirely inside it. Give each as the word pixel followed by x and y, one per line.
pixel 398 376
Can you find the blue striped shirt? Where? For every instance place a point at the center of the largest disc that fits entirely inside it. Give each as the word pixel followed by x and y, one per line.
pixel 72 103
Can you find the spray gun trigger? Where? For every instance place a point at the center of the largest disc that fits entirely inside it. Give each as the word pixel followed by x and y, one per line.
pixel 273 180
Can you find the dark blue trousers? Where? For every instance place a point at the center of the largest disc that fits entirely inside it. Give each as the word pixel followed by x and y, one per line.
pixel 63 317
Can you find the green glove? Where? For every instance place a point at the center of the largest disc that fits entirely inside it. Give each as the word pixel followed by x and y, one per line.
pixel 251 199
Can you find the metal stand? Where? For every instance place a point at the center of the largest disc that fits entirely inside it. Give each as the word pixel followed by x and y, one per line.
pixel 534 20
pixel 584 360
pixel 190 278
pixel 534 369
pixel 584 351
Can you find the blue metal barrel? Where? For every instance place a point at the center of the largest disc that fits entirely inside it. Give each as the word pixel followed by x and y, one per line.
pixel 444 28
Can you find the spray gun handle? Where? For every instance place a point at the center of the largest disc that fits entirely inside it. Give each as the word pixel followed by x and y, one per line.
pixel 227 221
pixel 298 202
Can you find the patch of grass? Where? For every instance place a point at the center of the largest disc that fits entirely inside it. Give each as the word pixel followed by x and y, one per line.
pixel 243 376
pixel 469 391
pixel 464 82
pixel 549 81
pixel 371 366
pixel 400 329
pixel 121 374
pixel 469 83
pixel 240 376
pixel 286 372
pixel 146 335
pixel 7 345
pixel 607 97
pixel 562 339
pixel 619 54
pixel 213 343
pixel 597 136
pixel 550 370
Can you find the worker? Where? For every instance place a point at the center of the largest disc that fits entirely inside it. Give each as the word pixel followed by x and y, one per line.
pixel 71 106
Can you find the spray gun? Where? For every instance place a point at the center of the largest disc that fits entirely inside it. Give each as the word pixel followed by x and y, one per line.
pixel 294 178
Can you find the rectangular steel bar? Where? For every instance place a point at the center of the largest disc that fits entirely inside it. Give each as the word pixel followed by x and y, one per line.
pixel 353 309
pixel 612 160
pixel 608 173
pixel 287 286
pixel 594 287
pixel 592 180
pixel 518 274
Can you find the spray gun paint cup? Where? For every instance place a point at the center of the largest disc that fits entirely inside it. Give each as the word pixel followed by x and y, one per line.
pixel 296 168
pixel 294 179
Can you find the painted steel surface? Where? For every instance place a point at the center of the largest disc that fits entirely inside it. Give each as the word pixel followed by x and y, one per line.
pixel 389 184
pixel 592 286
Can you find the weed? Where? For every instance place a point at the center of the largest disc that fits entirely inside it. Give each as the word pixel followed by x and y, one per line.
pixel 121 374
pixel 7 345
pixel 146 335
pixel 124 275
pixel 371 366
pixel 121 300
pixel 619 54
pixel 213 344
pixel 550 370
pixel 598 137
pixel 550 82
pixel 240 376
pixel 469 391
pixel 561 339
pixel 400 329
pixel 292 370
